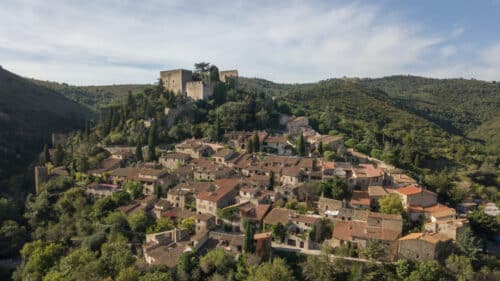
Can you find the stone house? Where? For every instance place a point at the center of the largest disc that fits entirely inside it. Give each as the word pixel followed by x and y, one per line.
pixel 450 228
pixel 100 190
pixel 223 156
pixel 174 160
pixel 210 172
pixel 194 148
pixel 183 194
pixel 225 75
pixel 375 192
pixel 204 222
pixel 365 175
pixel 292 176
pixel 152 178
pixel 416 196
pixel 328 206
pixel 360 199
pixel 295 125
pixel 424 246
pixel 223 196
pixel 276 144
pixel 245 211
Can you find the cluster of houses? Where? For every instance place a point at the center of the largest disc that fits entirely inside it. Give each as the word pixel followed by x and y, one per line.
pixel 221 187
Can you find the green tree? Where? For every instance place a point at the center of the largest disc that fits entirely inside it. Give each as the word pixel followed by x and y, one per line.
pixel 320 148
pixel 189 224
pixel 249 145
pixel 156 276
pixel 467 244
pixel 374 250
pixel 242 268
pixel 256 142
pixel 162 224
pixel 12 237
pixel 301 146
pixel 59 155
pixel 428 271
pixel 139 221
pixel 152 142
pixel 38 258
pixel 45 155
pixel 134 188
pixel 117 222
pixel 271 271
pixel 115 257
pixel 128 274
pixel 217 261
pixel 483 225
pixel 318 268
pixel 138 152
pixel 186 266
pixel 460 267
pixel 249 242
pixel 391 204
pixel 270 186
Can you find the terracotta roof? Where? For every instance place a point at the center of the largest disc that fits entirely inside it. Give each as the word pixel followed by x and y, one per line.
pixel 225 152
pixel 278 215
pixel 433 238
pixel 376 191
pixel 347 230
pixel 225 186
pixel 128 172
pixel 410 190
pixel 384 216
pixel 360 197
pixel 176 155
pixel 411 236
pixel 152 172
pixel 261 211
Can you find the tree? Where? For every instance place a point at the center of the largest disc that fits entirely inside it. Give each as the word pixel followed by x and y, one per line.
pixel 152 142
pixel 156 276
pixel 403 269
pixel 427 271
pixel 483 225
pixel 139 221
pixel 12 237
pixel 138 152
pixel 59 155
pixel 134 188
pixel 217 261
pixel 249 242
pixel 334 188
pixel 115 257
pixel 320 148
pixel 301 146
pixel 117 222
pixel 186 265
pixel 38 258
pixel 45 155
pixel 318 268
pixel 460 267
pixel 162 224
pixel 249 147
pixel 242 268
pixel 467 244
pixel 374 249
pixel 270 186
pixel 391 204
pixel 271 271
pixel 128 274
pixel 189 224
pixel 256 142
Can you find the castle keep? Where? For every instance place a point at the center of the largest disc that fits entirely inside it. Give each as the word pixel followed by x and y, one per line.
pixel 180 81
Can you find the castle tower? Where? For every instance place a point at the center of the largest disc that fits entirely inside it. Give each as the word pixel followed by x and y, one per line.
pixel 175 80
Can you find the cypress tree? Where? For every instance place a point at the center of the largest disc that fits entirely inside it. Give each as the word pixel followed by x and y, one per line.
pixel 249 242
pixel 249 146
pixel 46 154
pixel 59 155
pixel 138 152
pixel 256 142
pixel 301 146
pixel 271 181
pixel 320 148
pixel 152 142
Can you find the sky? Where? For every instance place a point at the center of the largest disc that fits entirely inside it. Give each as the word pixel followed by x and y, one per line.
pixel 98 42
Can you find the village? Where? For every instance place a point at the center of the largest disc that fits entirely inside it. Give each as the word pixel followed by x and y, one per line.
pixel 275 187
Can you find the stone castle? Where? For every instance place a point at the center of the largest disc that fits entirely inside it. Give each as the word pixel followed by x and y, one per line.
pixel 180 81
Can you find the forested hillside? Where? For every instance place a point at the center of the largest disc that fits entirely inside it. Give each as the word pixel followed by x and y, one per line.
pixel 93 96
pixel 28 115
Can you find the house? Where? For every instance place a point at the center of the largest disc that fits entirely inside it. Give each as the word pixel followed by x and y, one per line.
pixel 416 196
pixel 166 247
pixel 360 199
pixel 357 234
pixel 99 190
pixel 276 144
pixel 223 156
pixel 254 195
pixel 183 194
pixel 424 246
pixel 208 171
pixel 104 166
pixel 176 215
pixel 160 207
pixel 173 160
pixel 295 125
pixel 146 204
pixel 451 228
pixel 328 206
pixel 365 175
pixel 263 245
pixel 375 192
pixel 295 226
pixel 152 178
pixel 204 222
pixel 398 178
pixel 223 196
pixel 435 212
pixel 194 148
pixel 236 215
pixel 292 176
pixel 328 141
pixel 239 139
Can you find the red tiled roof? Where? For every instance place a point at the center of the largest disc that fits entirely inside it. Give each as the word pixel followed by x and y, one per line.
pixel 360 198
pixel 225 186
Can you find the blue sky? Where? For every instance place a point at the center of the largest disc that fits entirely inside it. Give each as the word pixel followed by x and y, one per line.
pixel 115 42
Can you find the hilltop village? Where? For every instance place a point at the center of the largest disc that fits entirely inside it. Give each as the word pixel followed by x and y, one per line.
pixel 257 192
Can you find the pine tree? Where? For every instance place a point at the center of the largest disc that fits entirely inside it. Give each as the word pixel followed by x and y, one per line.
pixel 256 142
pixel 138 152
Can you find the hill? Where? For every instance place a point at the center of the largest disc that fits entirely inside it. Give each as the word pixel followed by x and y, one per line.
pixel 93 96
pixel 29 113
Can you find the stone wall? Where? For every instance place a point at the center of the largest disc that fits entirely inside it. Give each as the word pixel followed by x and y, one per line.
pixel 416 250
pixel 198 90
pixel 175 80
pixel 224 75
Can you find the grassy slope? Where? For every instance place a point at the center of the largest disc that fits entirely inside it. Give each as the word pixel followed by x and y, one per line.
pixel 29 113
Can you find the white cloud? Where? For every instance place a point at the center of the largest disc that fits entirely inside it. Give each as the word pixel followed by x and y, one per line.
pixel 96 42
